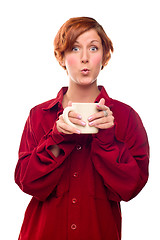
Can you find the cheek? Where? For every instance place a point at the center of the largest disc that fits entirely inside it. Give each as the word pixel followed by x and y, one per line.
pixel 70 61
pixel 97 60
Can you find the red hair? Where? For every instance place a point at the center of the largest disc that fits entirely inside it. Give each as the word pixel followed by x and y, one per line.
pixel 72 29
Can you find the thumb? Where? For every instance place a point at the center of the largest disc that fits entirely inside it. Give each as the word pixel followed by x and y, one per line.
pixel 102 101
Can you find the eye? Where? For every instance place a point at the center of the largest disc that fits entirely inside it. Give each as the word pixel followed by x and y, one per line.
pixel 75 49
pixel 94 49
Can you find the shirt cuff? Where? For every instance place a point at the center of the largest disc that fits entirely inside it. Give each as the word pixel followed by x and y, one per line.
pixel 59 137
pixel 105 136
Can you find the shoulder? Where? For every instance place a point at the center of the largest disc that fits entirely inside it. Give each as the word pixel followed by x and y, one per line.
pixel 121 110
pixel 42 108
pixel 124 111
pixel 44 105
pixel 42 117
pixel 125 117
pixel 50 104
pixel 116 106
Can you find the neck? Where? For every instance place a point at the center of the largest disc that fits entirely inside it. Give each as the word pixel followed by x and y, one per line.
pixel 80 93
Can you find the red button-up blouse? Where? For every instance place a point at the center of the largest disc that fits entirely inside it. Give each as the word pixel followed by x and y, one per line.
pixel 77 195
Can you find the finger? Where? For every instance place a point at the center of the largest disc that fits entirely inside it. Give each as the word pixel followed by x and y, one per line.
pixel 77 121
pixel 65 128
pixel 103 120
pixel 75 115
pixel 75 118
pixel 105 125
pixel 100 121
pixel 100 114
pixel 65 131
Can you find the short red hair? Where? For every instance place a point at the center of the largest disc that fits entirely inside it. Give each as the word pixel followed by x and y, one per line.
pixel 72 29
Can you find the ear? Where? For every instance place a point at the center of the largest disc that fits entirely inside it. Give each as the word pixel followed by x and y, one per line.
pixel 63 62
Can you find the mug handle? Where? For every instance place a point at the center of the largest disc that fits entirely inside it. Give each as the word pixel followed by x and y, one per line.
pixel 65 116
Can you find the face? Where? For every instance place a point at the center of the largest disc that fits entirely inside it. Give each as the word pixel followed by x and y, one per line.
pixel 83 63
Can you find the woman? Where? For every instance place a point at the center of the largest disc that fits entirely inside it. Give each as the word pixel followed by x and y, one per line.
pixel 78 180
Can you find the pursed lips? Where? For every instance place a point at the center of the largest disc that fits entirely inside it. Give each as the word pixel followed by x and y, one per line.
pixel 85 71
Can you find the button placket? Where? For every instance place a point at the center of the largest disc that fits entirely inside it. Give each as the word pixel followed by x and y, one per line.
pixel 78 147
pixel 75 174
pixel 74 194
pixel 73 226
pixel 74 200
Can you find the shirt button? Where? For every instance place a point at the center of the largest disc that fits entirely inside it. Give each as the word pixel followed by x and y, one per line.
pixel 74 200
pixel 75 174
pixel 73 226
pixel 79 147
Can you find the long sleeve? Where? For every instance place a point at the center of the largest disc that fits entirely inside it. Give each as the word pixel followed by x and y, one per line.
pixel 38 171
pixel 122 164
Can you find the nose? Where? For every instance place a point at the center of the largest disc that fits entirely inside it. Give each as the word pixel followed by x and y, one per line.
pixel 84 57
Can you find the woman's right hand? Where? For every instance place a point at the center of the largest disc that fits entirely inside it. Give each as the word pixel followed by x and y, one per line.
pixel 75 118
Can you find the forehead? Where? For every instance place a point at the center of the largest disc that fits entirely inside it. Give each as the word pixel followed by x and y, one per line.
pixel 88 37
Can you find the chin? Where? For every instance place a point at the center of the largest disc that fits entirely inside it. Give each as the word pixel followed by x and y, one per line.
pixel 86 82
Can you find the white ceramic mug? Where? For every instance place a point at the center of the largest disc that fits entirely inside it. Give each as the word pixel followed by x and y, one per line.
pixel 85 110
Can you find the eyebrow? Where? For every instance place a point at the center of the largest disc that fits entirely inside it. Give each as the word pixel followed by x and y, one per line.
pixel 94 41
pixel 90 42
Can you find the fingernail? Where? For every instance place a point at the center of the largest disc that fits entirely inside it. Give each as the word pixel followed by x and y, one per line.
pixel 91 123
pixel 79 117
pixel 90 118
pixel 78 131
pixel 83 123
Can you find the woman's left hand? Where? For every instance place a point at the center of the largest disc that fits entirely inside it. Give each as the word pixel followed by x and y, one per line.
pixel 104 118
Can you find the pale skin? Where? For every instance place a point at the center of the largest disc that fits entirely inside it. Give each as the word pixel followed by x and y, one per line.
pixel 83 64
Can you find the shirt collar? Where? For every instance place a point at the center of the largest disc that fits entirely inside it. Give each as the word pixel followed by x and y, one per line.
pixel 59 98
pixel 103 94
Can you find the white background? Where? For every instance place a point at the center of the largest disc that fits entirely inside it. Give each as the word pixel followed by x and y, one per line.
pixel 29 75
